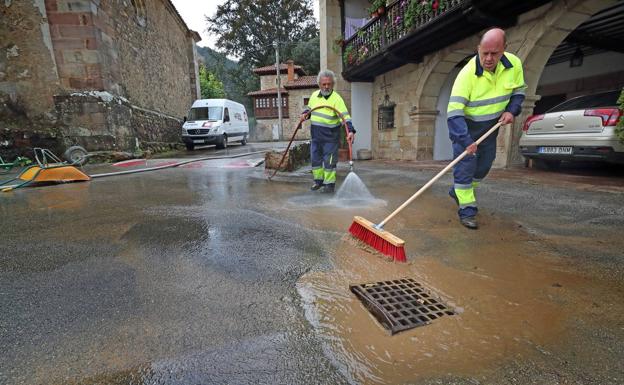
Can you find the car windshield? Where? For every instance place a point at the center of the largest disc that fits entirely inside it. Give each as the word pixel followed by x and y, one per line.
pixel 205 113
pixel 605 99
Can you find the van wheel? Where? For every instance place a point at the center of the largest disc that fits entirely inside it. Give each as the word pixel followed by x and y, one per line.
pixel 223 143
pixel 190 146
pixel 244 141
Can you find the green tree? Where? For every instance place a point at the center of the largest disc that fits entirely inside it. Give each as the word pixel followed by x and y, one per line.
pixel 619 129
pixel 248 28
pixel 237 78
pixel 209 85
pixel 307 54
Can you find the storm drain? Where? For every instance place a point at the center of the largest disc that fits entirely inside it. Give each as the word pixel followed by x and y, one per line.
pixel 400 304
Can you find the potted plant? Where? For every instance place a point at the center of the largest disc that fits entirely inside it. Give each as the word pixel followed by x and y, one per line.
pixel 349 55
pixel 339 43
pixel 376 39
pixel 421 11
pixel 362 54
pixel 377 8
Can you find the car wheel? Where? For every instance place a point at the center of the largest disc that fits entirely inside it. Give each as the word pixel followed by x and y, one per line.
pixel 76 155
pixel 223 143
pixel 244 141
pixel 190 146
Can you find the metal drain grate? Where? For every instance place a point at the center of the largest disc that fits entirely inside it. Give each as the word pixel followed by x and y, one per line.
pixel 400 304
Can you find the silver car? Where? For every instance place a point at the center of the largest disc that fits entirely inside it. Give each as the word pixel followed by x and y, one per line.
pixel 581 128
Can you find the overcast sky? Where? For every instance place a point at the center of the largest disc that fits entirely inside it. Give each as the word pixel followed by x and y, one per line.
pixel 193 12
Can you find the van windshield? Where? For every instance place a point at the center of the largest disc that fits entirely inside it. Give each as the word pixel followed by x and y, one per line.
pixel 205 113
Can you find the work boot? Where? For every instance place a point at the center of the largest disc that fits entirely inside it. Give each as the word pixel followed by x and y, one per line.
pixel 453 196
pixel 469 222
pixel 328 188
pixel 317 185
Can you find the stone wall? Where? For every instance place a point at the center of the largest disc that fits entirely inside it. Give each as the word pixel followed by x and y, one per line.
pixel 101 121
pixel 149 53
pixel 263 131
pixel 270 81
pixel 54 51
pixel 295 107
pixel 264 127
pixel 28 78
pixel 330 29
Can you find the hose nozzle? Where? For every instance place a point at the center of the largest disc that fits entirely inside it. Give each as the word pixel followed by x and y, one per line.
pixel 350 165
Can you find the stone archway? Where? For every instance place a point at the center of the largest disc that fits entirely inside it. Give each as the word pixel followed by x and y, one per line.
pixel 534 39
pixel 436 69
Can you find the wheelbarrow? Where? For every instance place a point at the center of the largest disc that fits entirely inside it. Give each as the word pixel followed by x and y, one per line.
pixel 49 169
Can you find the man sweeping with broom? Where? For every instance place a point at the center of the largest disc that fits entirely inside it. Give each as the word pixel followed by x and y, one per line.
pixel 325 131
pixel 489 89
pixel 487 93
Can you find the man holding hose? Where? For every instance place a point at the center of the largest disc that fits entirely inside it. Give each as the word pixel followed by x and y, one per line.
pixel 489 89
pixel 325 131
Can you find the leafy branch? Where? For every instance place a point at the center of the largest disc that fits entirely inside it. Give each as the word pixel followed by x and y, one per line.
pixel 619 128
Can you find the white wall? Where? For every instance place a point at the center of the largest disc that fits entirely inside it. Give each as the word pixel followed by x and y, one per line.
pixel 362 115
pixel 442 146
pixel 356 8
pixel 593 65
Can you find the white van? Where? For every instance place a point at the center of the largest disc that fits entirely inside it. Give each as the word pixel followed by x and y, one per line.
pixel 215 121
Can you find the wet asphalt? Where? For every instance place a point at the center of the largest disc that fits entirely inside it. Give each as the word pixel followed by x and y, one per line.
pixel 188 275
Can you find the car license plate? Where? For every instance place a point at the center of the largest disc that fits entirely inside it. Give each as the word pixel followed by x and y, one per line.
pixel 555 150
pixel 198 141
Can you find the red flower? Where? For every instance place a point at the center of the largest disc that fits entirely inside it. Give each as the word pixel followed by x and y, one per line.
pixel 435 5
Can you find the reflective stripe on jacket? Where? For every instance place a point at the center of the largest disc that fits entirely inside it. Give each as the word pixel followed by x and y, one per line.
pixel 326 124
pixel 480 97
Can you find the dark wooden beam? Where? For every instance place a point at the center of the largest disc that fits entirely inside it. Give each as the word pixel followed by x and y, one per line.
pixel 479 16
pixel 597 41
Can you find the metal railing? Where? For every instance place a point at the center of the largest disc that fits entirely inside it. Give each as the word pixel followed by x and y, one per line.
pixel 400 19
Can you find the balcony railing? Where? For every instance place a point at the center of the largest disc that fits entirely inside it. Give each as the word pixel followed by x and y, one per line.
pixel 401 18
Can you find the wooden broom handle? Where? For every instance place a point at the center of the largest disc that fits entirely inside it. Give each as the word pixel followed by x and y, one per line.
pixel 435 178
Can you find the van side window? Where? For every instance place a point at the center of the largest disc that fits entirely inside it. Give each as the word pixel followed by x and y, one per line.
pixel 226 115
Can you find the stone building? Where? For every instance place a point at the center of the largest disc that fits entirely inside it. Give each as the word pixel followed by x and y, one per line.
pixel 296 90
pixel 103 74
pixel 410 61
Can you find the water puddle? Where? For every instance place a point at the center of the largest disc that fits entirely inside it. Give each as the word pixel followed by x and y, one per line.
pixel 513 301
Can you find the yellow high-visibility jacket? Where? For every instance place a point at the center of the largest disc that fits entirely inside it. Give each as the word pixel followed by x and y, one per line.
pixel 480 97
pixel 326 124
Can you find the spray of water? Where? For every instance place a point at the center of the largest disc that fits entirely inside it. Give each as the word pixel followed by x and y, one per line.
pixel 353 189
pixel 352 193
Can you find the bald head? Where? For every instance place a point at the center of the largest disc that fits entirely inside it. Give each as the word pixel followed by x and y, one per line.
pixel 491 48
pixel 496 35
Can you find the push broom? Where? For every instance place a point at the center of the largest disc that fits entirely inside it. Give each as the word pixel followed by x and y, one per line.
pixel 386 243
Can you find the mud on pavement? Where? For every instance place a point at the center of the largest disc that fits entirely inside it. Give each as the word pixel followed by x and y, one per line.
pixel 529 309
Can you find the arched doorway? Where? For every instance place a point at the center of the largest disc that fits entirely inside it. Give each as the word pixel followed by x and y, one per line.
pixel 442 146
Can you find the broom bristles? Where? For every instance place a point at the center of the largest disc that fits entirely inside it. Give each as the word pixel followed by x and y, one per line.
pixel 366 235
